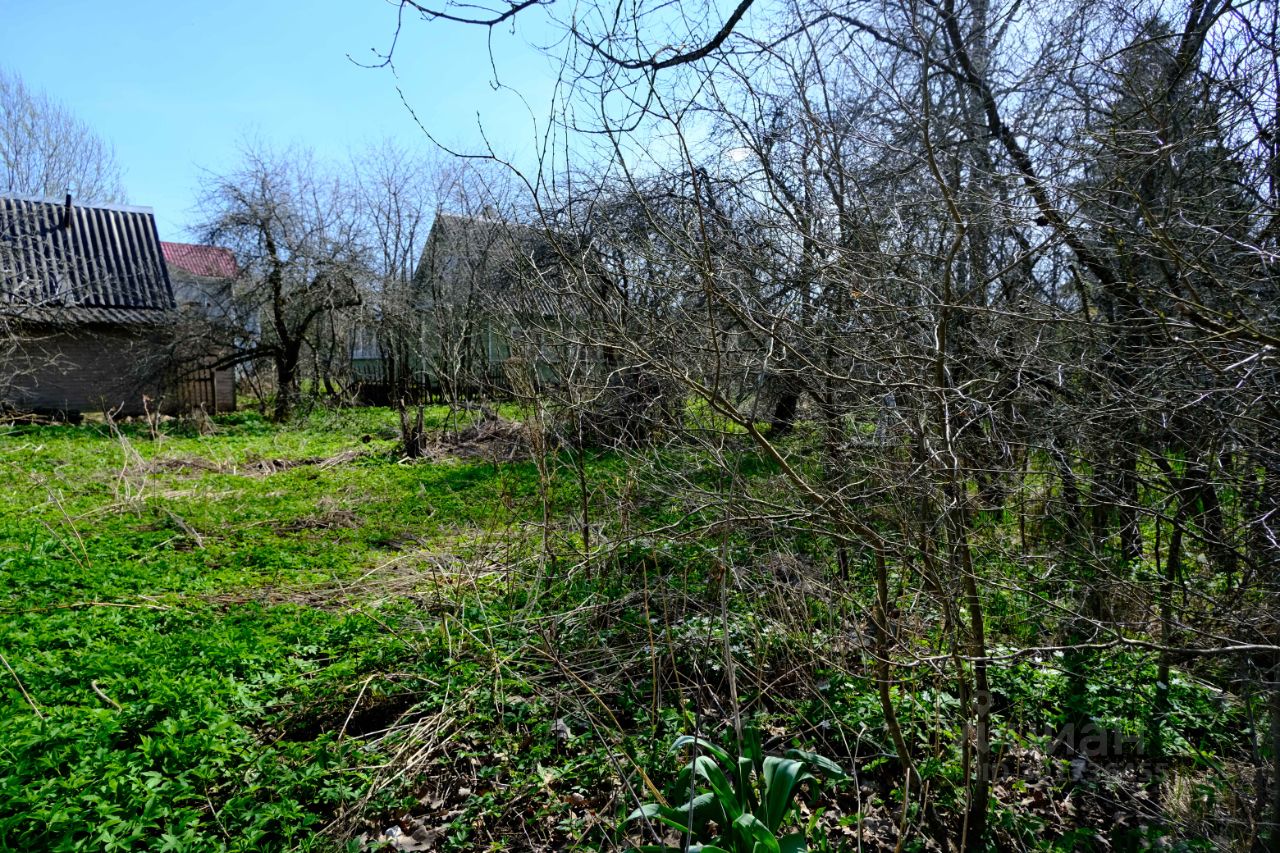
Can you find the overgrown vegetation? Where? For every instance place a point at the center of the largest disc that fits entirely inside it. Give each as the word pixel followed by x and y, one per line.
pixel 887 381
pixel 290 637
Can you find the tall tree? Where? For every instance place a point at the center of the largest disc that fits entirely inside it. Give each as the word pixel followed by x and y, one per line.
pixel 294 228
pixel 45 150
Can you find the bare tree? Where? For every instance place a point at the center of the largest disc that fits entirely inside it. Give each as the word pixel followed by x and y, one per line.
pixel 46 151
pixel 1017 266
pixel 399 191
pixel 435 266
pixel 294 229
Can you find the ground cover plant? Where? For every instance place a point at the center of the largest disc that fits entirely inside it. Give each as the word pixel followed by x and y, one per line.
pixel 888 381
pixel 159 637
pixel 292 637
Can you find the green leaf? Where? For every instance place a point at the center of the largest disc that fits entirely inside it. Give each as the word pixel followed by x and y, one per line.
pixel 793 843
pixel 691 816
pixel 753 746
pixel 746 792
pixel 701 744
pixel 782 776
pixel 751 830
pixel 826 765
pixel 711 772
pixel 701 809
pixel 660 813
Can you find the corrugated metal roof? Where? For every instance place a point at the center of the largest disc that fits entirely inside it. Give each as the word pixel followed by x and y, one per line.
pixel 88 315
pixel 207 261
pixel 82 264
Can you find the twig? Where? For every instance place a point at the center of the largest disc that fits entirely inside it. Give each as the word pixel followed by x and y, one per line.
pixel 190 531
pixel 21 689
pixel 343 731
pixel 217 817
pixel 104 697
pixel 66 517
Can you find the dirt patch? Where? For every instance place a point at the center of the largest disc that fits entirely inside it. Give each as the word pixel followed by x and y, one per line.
pixel 338 519
pixel 255 466
pixel 368 716
pixel 494 439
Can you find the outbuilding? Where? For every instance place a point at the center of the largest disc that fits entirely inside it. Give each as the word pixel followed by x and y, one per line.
pixel 86 311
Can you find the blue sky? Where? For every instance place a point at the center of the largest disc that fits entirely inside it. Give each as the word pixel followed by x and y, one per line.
pixel 177 87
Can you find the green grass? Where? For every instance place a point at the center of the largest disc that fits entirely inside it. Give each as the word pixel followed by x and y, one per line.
pixel 205 638
pixel 208 633
pixel 147 618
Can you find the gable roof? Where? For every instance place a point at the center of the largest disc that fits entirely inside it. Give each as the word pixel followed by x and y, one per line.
pixel 498 259
pixel 69 264
pixel 205 261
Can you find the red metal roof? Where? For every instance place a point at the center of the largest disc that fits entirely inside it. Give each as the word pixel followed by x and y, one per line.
pixel 209 261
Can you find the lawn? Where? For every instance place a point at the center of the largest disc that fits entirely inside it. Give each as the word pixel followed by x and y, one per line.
pixel 189 618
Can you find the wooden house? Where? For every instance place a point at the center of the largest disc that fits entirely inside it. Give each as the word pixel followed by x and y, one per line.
pixel 481 294
pixel 86 310
pixel 202 278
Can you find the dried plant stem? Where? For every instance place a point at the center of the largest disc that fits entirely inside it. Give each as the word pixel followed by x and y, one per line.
pixel 23 690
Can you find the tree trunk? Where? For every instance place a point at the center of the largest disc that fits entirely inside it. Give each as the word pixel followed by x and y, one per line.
pixel 1273 844
pixel 975 821
pixel 1161 705
pixel 287 393
pixel 784 413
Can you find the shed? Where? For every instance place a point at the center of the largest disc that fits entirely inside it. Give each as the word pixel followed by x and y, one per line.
pixel 84 292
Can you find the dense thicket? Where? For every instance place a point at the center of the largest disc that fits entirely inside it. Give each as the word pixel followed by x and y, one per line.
pixel 1010 269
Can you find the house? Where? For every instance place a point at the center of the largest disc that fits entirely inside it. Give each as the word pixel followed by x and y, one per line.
pixel 479 302
pixel 86 309
pixel 202 277
pixel 83 291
